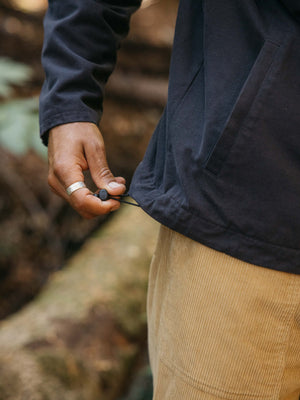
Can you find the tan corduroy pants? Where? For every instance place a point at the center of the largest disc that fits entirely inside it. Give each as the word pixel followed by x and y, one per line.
pixel 220 328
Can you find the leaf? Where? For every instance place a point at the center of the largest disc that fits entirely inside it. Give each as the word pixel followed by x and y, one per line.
pixel 12 73
pixel 19 128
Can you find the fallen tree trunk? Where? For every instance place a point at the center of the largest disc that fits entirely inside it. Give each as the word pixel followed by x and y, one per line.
pixel 79 338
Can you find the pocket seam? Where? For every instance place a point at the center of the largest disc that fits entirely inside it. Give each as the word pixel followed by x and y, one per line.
pixel 235 122
pixel 227 395
pixel 187 89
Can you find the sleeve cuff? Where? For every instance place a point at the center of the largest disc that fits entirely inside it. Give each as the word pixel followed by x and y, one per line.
pixel 66 117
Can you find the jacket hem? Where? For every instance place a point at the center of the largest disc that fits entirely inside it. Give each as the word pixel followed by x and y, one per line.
pixel 224 239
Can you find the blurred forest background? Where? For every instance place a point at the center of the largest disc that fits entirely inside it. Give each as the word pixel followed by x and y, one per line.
pixel 39 232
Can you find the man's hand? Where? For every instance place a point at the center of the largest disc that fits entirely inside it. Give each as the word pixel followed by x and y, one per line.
pixel 72 149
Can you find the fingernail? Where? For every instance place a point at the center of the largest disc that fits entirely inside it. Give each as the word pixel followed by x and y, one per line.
pixel 114 185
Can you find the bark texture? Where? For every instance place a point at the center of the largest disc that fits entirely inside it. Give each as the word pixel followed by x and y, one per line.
pixel 79 338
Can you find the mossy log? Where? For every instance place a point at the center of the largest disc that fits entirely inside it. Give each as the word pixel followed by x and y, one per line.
pixel 79 338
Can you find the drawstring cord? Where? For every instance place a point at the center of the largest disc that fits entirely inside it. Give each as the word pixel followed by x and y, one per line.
pixel 104 195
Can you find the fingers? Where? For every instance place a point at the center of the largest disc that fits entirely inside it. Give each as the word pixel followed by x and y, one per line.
pixel 120 179
pixel 100 172
pixel 83 201
pixel 90 206
pixel 72 149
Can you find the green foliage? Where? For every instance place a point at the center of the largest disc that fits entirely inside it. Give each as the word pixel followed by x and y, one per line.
pixel 12 73
pixel 19 131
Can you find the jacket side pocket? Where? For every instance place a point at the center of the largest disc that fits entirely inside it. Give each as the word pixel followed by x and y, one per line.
pixel 242 107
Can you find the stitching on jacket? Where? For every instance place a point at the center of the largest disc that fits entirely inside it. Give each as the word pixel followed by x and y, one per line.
pixel 67 113
pixel 226 229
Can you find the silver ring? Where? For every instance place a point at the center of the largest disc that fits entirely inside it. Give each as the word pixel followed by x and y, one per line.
pixel 75 186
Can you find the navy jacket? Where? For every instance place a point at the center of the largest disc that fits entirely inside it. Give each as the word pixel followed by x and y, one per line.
pixel 223 166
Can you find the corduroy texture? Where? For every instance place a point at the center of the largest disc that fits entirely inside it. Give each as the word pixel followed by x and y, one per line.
pixel 220 328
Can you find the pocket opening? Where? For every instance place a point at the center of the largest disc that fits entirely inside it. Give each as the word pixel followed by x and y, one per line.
pixel 242 107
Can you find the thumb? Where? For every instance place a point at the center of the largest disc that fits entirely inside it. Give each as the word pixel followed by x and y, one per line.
pixel 100 171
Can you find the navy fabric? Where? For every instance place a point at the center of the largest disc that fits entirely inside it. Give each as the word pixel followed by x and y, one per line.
pixel 81 38
pixel 223 165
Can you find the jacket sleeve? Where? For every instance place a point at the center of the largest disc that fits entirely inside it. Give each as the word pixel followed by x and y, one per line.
pixel 81 38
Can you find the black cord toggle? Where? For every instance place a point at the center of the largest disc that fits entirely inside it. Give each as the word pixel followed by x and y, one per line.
pixel 104 195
